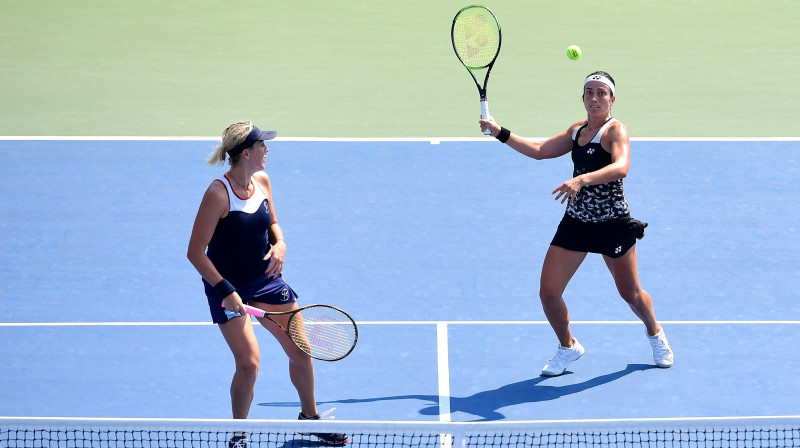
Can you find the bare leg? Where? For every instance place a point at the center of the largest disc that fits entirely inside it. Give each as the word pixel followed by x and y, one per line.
pixel 241 339
pixel 559 266
pixel 301 366
pixel 626 276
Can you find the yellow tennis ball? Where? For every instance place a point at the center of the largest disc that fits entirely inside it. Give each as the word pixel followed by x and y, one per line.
pixel 574 52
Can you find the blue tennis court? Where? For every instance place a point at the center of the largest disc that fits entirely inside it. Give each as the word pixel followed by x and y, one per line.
pixel 435 248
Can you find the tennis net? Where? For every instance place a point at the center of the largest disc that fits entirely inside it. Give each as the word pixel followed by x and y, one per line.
pixel 783 431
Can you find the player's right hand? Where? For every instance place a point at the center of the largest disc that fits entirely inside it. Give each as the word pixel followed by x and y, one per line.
pixel 234 303
pixel 489 123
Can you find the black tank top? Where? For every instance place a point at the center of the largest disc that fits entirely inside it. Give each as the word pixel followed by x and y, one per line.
pixel 595 203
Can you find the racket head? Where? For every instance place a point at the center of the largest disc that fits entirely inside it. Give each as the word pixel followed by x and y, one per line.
pixel 323 332
pixel 476 36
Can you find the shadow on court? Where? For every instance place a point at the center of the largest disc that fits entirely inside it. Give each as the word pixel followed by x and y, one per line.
pixel 487 404
pixel 299 443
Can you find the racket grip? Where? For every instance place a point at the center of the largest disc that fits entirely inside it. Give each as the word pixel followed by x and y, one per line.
pixel 485 113
pixel 254 311
pixel 251 310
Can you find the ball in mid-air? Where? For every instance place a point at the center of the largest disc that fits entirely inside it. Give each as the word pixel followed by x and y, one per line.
pixel 574 52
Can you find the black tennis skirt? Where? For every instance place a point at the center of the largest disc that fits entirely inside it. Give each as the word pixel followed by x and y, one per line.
pixel 612 238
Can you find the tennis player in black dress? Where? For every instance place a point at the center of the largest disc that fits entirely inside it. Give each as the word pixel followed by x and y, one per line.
pixel 597 219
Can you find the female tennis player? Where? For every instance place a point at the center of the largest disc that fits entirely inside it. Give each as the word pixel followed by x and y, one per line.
pixel 238 248
pixel 596 220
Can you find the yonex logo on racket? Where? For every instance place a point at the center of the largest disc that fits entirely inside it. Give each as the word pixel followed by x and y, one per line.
pixel 476 40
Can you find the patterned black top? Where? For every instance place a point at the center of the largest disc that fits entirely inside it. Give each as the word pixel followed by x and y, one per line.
pixel 595 203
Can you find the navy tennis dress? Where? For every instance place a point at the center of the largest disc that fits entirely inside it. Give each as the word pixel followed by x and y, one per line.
pixel 237 249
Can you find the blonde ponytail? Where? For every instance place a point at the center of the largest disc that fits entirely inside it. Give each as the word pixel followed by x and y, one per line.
pixel 233 135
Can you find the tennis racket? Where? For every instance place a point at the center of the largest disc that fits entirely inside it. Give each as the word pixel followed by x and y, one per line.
pixel 476 41
pixel 323 332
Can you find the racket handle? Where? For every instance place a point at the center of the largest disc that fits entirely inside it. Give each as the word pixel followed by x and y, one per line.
pixel 252 310
pixel 485 114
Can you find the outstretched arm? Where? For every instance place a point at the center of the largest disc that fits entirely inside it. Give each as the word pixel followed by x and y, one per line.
pixel 551 148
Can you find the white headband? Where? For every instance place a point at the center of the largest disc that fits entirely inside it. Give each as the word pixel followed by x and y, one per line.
pixel 603 79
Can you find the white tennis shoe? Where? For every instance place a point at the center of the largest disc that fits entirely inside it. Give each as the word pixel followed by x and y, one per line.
pixel 662 352
pixel 334 439
pixel 564 355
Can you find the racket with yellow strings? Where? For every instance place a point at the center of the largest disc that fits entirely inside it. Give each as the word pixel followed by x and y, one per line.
pixel 476 40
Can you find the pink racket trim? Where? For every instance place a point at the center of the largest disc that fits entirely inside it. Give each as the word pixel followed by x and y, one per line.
pixel 254 311
pixel 251 310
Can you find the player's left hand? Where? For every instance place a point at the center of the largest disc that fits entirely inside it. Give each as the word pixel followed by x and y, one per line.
pixel 568 190
pixel 275 256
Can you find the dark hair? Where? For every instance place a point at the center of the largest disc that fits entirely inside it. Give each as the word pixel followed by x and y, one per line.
pixel 605 74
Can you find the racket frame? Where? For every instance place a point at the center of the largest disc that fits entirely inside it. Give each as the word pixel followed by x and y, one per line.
pixel 258 312
pixel 488 67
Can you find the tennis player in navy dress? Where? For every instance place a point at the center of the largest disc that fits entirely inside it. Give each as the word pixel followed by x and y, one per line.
pixel 238 248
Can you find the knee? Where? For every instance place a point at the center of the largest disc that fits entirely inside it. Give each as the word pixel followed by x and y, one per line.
pixel 549 296
pixel 300 359
pixel 248 366
pixel 633 296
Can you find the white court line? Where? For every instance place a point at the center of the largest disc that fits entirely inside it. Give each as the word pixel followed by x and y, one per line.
pixel 432 140
pixel 101 324
pixel 581 322
pixel 416 322
pixel 443 358
pixel 419 423
pixel 443 367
